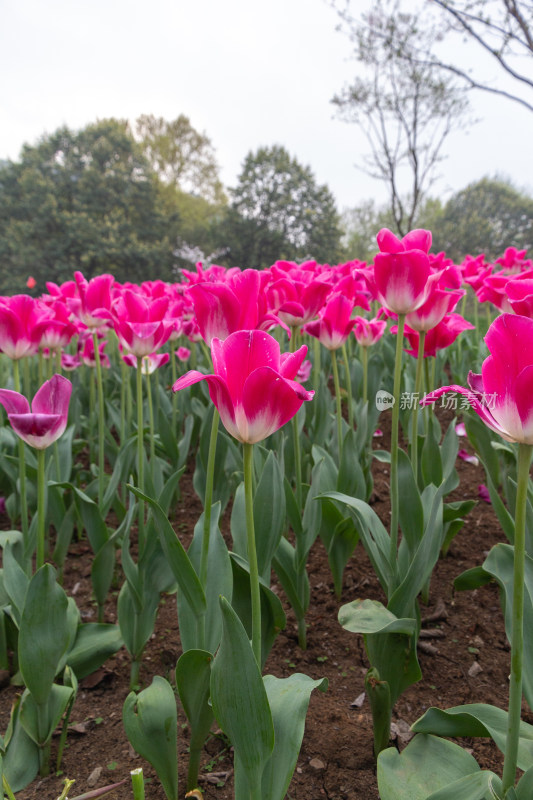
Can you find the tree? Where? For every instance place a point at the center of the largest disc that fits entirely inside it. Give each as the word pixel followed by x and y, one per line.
pixel 486 217
pixel 361 224
pixel 405 109
pixel 278 211
pixel 181 156
pixel 83 200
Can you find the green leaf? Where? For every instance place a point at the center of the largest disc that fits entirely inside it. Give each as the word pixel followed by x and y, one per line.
pixel 272 615
pixel 41 730
pixel 295 586
pixel 371 616
pixel 193 679
pixel 426 765
pixel 239 698
pixel 136 626
pixel 219 582
pixel 269 514
pixel 524 787
pixel 411 511
pixel 44 634
pixel 477 719
pixel 472 579
pixel 95 643
pixel 177 558
pixel 289 700
pixel 150 722
pixel 21 760
pixel 16 582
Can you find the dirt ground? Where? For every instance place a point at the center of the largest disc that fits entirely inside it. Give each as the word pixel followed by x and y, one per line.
pixel 465 659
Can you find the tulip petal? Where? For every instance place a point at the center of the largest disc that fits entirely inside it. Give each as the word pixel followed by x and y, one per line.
pixel 53 397
pixel 13 402
pixel 240 354
pixel 38 430
pixel 290 363
pixel 269 401
pixel 217 310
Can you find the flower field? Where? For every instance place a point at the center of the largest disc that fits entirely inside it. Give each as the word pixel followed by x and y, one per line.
pixel 248 548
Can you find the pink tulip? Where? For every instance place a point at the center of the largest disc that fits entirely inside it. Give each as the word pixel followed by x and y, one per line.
pixel 503 394
pixel 140 322
pixel 149 363
pixel 520 296
pixel 438 338
pixel 402 270
pixel 183 353
pixel 439 303
pixel 238 304
pixel 93 297
pixel 296 294
pixel 369 331
pixel 46 421
pixel 23 321
pixel 253 386
pixel 334 324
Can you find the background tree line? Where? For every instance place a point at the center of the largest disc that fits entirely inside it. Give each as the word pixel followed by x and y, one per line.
pixel 142 202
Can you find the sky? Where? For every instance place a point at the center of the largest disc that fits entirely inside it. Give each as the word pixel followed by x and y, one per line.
pixel 247 73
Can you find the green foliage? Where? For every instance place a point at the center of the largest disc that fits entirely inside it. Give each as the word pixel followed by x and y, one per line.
pixel 486 217
pixel 278 211
pixel 83 200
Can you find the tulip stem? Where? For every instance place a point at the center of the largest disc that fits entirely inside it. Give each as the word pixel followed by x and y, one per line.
pixel 316 363
pixel 140 451
pixel 151 422
pixel 255 591
pixel 337 401
pixel 517 630
pixel 41 508
pixel 22 468
pixel 208 500
pixel 395 500
pixel 348 385
pixel 364 361
pixel 100 390
pixel 414 420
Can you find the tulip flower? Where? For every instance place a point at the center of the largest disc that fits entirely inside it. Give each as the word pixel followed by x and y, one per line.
pixel 402 270
pixel 46 421
pixel 253 386
pixel 334 324
pixel 39 427
pixel 502 394
pixel 368 331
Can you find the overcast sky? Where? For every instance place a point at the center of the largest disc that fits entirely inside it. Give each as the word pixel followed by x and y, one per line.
pixel 248 73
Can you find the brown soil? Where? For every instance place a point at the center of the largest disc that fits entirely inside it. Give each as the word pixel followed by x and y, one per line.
pixel 336 760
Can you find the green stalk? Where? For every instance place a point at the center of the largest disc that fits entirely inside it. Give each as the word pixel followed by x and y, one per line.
pixel 395 500
pixel 348 385
pixel 137 783
pixel 151 421
pixel 140 451
pixel 22 465
pixel 174 373
pixel 101 420
pixel 295 434
pixel 414 420
pixel 338 404
pixel 41 508
pixel 255 591
pixel 7 788
pixel 44 749
pixel 316 363
pixel 364 361
pixel 517 630
pixel 209 482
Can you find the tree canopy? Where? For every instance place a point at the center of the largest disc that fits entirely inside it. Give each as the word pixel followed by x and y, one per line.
pixel 278 211
pixel 83 200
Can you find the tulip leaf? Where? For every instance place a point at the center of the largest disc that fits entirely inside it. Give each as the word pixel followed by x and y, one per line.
pixel 193 679
pixel 16 582
pixel 427 765
pixel 136 626
pixel 44 633
pixel 94 644
pixel 411 512
pixel 288 699
pixel 269 514
pixel 40 723
pixel 477 719
pixel 373 534
pixel 499 564
pixel 239 699
pixel 219 582
pixel 150 722
pixel 272 615
pixel 295 586
pixel 472 579
pixel 340 538
pixel 524 787
pixel 21 759
pixel 177 558
pixel 371 616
